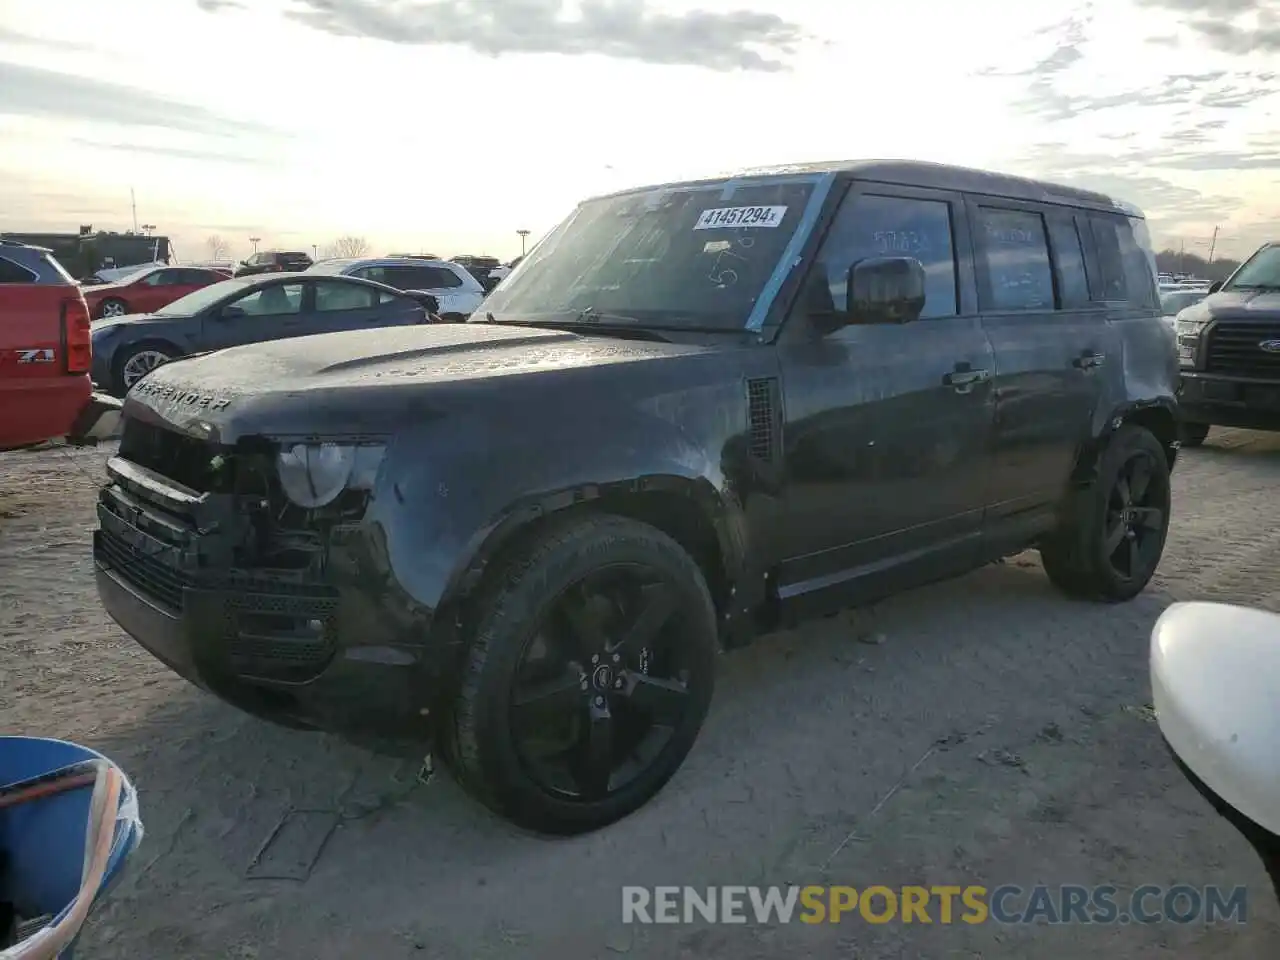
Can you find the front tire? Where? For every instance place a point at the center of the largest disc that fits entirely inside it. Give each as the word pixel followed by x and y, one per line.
pixel 1112 532
pixel 1193 434
pixel 588 676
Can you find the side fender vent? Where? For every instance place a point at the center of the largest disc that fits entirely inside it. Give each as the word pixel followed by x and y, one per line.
pixel 762 419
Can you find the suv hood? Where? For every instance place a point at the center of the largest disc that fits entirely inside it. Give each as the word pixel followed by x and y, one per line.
pixel 1236 305
pixel 364 381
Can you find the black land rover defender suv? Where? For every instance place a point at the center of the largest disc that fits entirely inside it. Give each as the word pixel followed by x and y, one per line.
pixel 694 411
pixel 1229 351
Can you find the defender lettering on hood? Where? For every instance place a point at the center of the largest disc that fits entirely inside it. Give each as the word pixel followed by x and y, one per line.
pixel 180 395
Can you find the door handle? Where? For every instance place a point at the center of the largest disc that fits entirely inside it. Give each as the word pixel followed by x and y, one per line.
pixel 1087 361
pixel 963 379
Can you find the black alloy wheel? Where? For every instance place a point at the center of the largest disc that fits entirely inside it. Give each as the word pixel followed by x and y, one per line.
pixel 588 674
pixel 1111 533
pixel 603 685
pixel 1136 517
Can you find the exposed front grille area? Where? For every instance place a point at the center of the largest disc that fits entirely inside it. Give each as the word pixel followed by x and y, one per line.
pixel 260 607
pixel 1235 347
pixel 149 575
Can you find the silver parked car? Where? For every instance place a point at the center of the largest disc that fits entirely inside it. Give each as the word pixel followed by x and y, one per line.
pixel 456 290
pixel 1173 301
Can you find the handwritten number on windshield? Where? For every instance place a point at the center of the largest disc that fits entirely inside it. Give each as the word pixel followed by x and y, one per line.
pixel 722 272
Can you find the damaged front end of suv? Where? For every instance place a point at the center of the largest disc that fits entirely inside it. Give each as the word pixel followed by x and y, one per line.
pixel 251 567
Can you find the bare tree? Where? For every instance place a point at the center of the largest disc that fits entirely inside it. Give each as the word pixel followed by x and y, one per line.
pixel 218 248
pixel 347 247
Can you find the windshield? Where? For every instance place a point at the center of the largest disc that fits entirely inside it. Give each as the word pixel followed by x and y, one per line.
pixel 685 256
pixel 1261 271
pixel 193 303
pixel 1171 303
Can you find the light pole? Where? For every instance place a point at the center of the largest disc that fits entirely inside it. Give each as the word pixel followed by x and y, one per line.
pixel 255 241
pixel 523 234
pixel 315 251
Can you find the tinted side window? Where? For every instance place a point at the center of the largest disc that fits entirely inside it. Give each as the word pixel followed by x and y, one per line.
pixel 1013 258
pixel 876 226
pixel 1111 285
pixel 439 278
pixel 1068 260
pixel 11 272
pixel 331 295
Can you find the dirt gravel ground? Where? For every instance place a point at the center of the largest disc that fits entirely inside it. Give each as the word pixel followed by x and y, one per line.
pixel 981 731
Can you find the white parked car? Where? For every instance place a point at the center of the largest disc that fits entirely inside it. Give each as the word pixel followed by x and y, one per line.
pixel 1174 301
pixel 456 290
pixel 1215 685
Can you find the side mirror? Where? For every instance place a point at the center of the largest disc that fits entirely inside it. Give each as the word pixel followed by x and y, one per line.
pixel 1215 673
pixel 1215 286
pixel 885 290
pixel 231 313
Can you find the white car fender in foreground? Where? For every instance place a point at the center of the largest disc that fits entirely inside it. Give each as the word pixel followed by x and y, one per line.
pixel 1215 682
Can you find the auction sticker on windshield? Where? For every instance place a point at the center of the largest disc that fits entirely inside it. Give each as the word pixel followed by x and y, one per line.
pixel 740 217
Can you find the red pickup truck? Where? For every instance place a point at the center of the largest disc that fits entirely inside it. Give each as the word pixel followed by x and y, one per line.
pixel 45 354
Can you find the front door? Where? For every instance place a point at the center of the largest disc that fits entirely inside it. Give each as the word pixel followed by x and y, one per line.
pixel 888 426
pixel 266 313
pixel 1051 343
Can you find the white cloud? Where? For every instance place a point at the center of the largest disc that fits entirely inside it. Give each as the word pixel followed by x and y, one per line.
pixel 299 121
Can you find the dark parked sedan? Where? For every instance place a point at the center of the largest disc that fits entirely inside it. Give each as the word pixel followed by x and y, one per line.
pixel 246 310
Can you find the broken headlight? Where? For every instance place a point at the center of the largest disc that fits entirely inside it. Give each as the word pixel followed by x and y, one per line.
pixel 315 474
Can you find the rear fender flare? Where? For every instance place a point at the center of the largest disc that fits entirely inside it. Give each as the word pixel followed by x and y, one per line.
pixel 1160 416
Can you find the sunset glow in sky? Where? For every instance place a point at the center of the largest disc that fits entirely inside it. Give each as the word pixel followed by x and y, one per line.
pixel 446 125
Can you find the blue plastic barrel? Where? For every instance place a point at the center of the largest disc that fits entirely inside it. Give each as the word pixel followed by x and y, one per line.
pixel 44 839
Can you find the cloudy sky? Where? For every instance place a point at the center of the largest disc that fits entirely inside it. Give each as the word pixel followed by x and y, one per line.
pixel 446 125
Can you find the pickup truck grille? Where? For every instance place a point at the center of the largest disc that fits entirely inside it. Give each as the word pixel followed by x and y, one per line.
pixel 1234 349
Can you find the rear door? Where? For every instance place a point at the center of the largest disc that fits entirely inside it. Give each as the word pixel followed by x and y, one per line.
pixel 335 305
pixel 455 294
pixel 156 289
pixel 1051 342
pixel 188 280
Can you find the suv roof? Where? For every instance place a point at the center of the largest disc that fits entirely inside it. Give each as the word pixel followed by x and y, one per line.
pixel 37 261
pixel 919 173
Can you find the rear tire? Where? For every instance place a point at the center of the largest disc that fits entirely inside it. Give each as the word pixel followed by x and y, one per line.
pixel 533 606
pixel 1193 434
pixel 129 366
pixel 1111 535
pixel 112 307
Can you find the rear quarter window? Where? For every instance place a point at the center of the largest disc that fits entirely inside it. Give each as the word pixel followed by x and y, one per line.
pixel 11 272
pixel 1127 269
